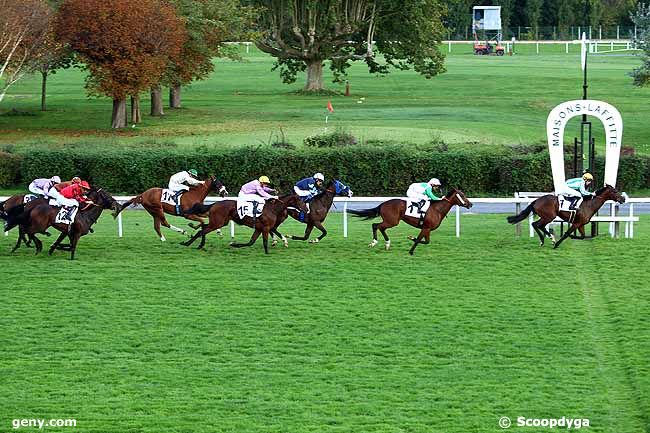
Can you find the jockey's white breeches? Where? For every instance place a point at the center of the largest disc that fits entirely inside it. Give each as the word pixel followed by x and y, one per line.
pixel 60 200
pixel 568 192
pixel 174 186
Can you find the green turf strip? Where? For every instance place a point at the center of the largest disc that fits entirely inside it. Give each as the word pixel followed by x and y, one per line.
pixel 142 336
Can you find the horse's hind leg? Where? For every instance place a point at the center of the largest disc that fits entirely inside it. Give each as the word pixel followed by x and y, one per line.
pixel 308 230
pixel 540 230
pixel 374 235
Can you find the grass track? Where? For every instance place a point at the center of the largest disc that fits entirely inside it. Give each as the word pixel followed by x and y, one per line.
pixel 139 336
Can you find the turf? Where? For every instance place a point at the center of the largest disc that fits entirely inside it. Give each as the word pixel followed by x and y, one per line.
pixel 480 100
pixel 140 336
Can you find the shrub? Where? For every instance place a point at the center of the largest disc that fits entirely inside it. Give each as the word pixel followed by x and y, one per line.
pixel 332 139
pixel 9 169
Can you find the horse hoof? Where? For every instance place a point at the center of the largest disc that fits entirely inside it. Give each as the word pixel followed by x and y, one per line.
pixel 373 243
pixel 314 241
pixel 387 246
pixel 219 233
pixel 274 243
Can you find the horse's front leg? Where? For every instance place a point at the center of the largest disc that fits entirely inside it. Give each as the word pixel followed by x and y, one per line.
pixel 566 235
pixel 57 242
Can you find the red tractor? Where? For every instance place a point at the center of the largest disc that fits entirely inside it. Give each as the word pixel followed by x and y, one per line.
pixel 488 49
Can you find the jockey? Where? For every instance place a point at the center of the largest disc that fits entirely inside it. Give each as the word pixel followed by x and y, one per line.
pixel 420 192
pixel 43 186
pixel 576 188
pixel 71 195
pixel 308 187
pixel 180 181
pixel 258 187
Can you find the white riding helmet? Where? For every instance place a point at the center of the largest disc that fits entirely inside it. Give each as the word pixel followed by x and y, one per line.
pixel 319 176
pixel 435 182
pixel 55 179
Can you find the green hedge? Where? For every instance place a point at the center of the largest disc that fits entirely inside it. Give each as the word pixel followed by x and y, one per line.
pixel 370 170
pixel 9 169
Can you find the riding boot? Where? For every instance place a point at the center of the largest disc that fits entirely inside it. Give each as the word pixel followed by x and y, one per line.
pixel 178 201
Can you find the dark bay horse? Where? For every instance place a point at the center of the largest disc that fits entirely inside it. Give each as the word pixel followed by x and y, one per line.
pixel 222 212
pixel 548 208
pixel 12 208
pixel 39 218
pixel 393 211
pixel 318 210
pixel 151 201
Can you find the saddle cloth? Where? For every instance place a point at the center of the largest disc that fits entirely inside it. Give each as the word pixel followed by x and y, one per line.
pixel 248 203
pixel 412 208
pixel 66 215
pixel 167 196
pixel 564 203
pixel 29 197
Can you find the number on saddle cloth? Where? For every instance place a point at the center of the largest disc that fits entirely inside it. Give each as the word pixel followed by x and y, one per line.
pixel 417 209
pixel 30 197
pixel 66 215
pixel 250 206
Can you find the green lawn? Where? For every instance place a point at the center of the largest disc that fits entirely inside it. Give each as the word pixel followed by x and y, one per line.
pixel 140 336
pixel 480 100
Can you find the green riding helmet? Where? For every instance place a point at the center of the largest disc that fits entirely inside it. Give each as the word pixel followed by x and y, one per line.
pixel 193 172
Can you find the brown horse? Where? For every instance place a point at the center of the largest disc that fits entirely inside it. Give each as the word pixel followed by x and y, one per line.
pixel 222 212
pixel 548 208
pixel 393 211
pixel 318 209
pixel 12 208
pixel 38 218
pixel 151 201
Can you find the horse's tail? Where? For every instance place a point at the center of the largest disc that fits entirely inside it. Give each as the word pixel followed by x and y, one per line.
pixel 198 209
pixel 366 213
pixel 135 200
pixel 514 219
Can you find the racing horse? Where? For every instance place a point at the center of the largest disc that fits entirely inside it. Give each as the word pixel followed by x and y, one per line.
pixel 547 208
pixel 222 212
pixel 151 201
pixel 39 218
pixel 318 210
pixel 393 211
pixel 14 206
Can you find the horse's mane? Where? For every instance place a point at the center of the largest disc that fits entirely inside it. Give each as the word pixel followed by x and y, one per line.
pixel 602 190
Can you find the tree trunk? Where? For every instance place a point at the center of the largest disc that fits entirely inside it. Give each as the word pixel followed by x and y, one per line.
pixel 175 97
pixel 43 91
pixel 136 116
pixel 314 76
pixel 119 113
pixel 156 102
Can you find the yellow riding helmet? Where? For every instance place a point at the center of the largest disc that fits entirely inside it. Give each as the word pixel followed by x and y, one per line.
pixel 264 179
pixel 587 177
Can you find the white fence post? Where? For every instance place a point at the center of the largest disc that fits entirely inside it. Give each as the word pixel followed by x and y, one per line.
pixel 457 221
pixel 232 229
pixel 119 226
pixel 345 219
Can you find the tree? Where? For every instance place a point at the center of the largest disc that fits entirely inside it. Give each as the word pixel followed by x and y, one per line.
pixel 55 55
pixel 209 23
pixel 23 26
pixel 303 34
pixel 125 46
pixel 641 19
pixel 533 15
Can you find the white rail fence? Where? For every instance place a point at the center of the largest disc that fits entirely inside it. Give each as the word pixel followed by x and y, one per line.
pixel 613 216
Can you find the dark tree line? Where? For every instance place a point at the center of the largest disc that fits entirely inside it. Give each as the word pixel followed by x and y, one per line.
pixel 536 14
